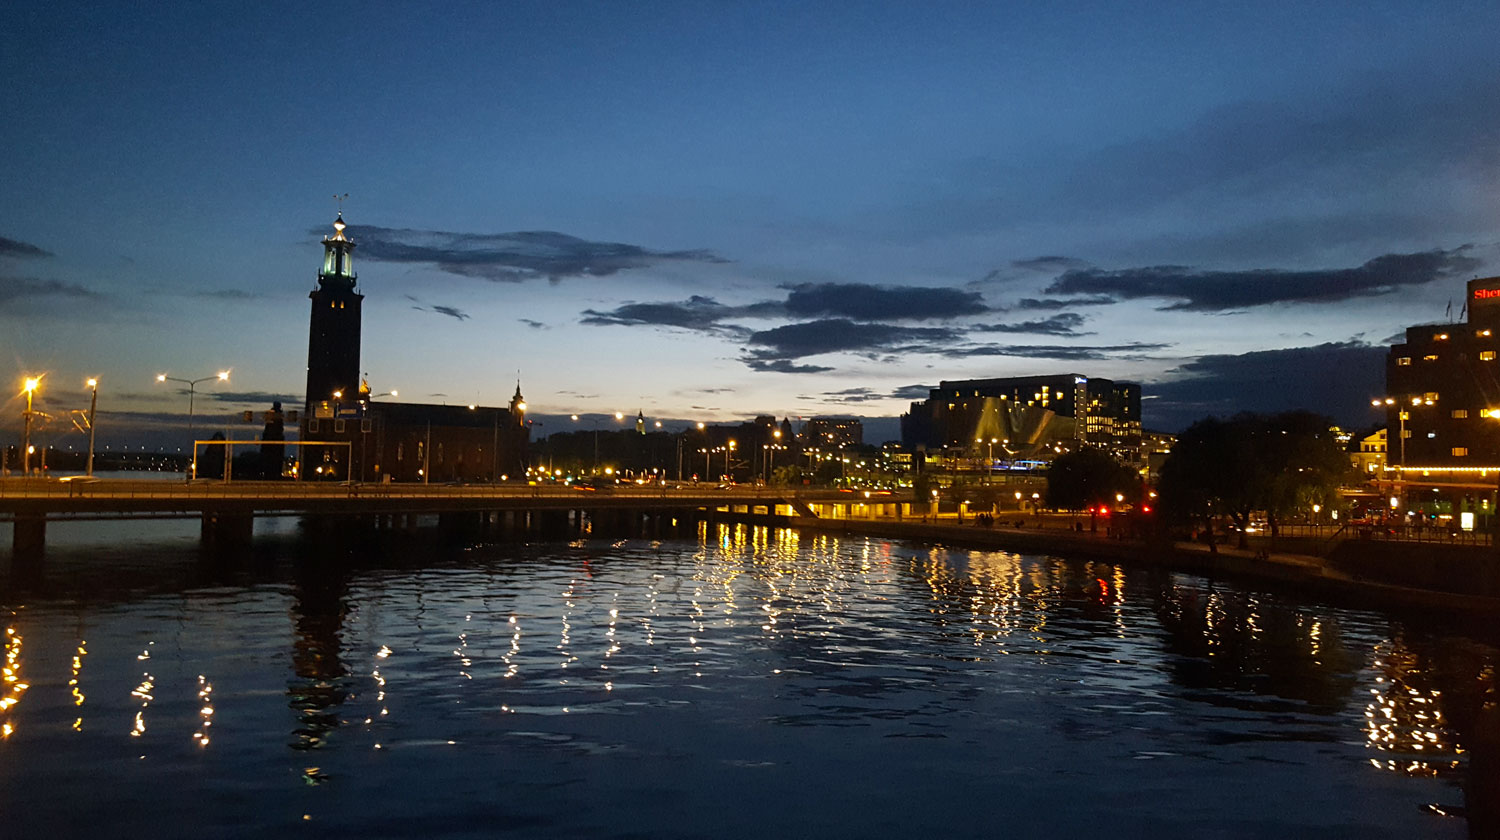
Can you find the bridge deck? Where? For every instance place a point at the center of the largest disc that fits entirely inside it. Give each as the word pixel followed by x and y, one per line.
pixel 111 498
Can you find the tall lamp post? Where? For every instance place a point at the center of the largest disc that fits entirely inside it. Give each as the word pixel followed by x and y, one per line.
pixel 30 385
pixel 1401 416
pixel 222 376
pixel 93 383
pixel 989 466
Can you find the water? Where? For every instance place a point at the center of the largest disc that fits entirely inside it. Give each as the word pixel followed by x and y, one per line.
pixel 752 682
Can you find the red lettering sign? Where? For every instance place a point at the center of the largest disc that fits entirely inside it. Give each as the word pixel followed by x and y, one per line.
pixel 1481 294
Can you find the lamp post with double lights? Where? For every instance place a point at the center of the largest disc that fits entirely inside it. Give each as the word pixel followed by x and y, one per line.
pixel 989 465
pixel 1401 417
pixel 222 376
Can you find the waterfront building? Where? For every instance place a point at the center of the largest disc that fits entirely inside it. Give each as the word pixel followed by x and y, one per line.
pixel 1027 417
pixel 1442 406
pixel 378 440
pixel 1443 389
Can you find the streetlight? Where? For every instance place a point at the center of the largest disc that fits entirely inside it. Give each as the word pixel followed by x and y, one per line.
pixel 728 450
pixel 222 376
pixel 989 466
pixel 30 384
pixel 93 383
pixel 1401 417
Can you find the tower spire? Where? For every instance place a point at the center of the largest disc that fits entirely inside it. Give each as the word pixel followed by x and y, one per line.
pixel 338 256
pixel 518 406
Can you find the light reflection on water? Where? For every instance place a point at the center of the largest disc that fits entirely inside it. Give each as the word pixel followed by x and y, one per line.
pixel 749 682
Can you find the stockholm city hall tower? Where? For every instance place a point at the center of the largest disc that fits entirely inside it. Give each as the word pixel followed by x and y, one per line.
pixel 347 434
pixel 333 338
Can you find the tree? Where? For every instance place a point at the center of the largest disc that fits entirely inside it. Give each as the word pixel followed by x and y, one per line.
pixel 1088 478
pixel 1276 463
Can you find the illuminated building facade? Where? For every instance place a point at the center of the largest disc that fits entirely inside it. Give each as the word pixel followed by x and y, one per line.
pixel 1029 417
pixel 837 432
pixel 1443 390
pixel 389 441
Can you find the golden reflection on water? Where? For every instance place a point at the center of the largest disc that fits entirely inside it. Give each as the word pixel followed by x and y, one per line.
pixel 1404 717
pixel 12 686
pixel 75 674
pixel 205 710
pixel 142 692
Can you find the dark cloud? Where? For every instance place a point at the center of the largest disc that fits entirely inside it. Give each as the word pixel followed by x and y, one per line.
pixel 229 294
pixel 1338 379
pixel 1066 323
pixel 1216 291
pixel 782 366
pixel 1049 265
pixel 1066 352
pixel 536 325
pixel 840 335
pixel 1062 303
pixel 512 257
pixel 256 397
pixel 451 312
pixel 861 395
pixel 15 248
pixel 703 314
pixel 1019 269
pixel 865 302
pixel 20 288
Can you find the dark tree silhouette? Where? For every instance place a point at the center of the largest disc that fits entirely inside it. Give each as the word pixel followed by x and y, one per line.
pixel 1277 463
pixel 1089 478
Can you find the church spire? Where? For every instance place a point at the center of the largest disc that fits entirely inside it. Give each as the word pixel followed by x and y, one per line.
pixel 518 406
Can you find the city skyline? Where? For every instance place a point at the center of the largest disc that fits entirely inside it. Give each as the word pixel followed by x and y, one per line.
pixel 754 209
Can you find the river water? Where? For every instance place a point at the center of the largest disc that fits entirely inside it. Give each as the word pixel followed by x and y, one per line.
pixel 749 682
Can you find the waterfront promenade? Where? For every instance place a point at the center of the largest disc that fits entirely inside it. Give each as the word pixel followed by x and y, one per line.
pixel 1462 580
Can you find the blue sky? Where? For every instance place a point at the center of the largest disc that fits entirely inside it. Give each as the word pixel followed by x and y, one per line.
pixel 711 211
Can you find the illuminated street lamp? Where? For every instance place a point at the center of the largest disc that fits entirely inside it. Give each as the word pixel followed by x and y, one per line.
pixel 93 383
pixel 1401 418
pixel 222 376
pixel 29 386
pixel 989 466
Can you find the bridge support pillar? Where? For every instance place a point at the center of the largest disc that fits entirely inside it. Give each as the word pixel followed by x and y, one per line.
pixel 28 544
pixel 226 533
pixel 459 527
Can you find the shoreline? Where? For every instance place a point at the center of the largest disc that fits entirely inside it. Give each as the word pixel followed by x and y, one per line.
pixel 1302 573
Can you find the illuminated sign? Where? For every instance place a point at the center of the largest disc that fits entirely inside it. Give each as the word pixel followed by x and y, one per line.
pixel 1482 294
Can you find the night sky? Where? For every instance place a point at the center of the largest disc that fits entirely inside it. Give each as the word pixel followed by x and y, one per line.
pixel 707 211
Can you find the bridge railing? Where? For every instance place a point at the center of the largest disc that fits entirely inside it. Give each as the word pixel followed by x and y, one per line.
pixel 24 489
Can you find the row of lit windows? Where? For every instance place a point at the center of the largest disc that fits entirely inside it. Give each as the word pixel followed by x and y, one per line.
pixel 1484 356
